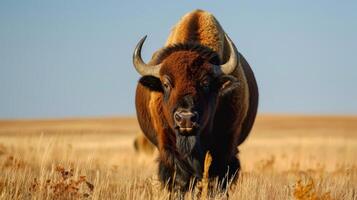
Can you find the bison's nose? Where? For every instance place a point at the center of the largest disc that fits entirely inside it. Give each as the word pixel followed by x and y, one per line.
pixel 186 120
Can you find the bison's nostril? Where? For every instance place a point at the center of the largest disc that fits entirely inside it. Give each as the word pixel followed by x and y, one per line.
pixel 178 118
pixel 194 117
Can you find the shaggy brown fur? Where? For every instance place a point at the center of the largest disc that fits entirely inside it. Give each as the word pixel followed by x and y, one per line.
pixel 198 26
pixel 226 118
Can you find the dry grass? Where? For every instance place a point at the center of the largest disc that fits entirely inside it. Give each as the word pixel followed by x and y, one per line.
pixel 284 158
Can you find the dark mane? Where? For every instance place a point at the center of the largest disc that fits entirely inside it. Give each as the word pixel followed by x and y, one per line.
pixel 204 51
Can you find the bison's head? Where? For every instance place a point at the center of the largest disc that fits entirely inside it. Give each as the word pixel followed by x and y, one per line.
pixel 191 79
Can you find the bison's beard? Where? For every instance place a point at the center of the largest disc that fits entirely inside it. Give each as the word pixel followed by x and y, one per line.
pixel 191 154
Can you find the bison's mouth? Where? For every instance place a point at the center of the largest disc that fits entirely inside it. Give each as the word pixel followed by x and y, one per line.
pixel 187 131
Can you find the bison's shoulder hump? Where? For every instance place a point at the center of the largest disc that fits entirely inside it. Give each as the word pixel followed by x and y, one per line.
pixel 198 26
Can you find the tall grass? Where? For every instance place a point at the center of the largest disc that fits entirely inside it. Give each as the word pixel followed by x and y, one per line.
pixel 103 165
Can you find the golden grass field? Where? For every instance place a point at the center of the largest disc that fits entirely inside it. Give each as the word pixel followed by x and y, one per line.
pixel 285 157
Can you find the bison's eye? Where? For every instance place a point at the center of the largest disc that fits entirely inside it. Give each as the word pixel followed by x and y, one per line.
pixel 205 83
pixel 166 84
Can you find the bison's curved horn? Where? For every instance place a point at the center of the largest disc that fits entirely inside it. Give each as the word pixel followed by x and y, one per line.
pixel 140 66
pixel 231 64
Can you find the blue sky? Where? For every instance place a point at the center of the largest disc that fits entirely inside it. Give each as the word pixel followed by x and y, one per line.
pixel 73 58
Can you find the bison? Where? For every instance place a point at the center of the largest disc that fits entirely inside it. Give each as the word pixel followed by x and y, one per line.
pixel 197 94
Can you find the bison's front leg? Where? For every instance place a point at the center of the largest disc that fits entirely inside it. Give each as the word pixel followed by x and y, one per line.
pixel 226 172
pixel 232 173
pixel 173 177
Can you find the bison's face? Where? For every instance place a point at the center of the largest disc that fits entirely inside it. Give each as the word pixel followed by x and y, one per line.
pixel 190 85
pixel 191 80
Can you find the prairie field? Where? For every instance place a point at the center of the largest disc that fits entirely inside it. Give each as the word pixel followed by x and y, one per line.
pixel 285 157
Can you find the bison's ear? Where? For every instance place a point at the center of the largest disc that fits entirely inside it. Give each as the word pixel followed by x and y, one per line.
pixel 152 83
pixel 227 84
